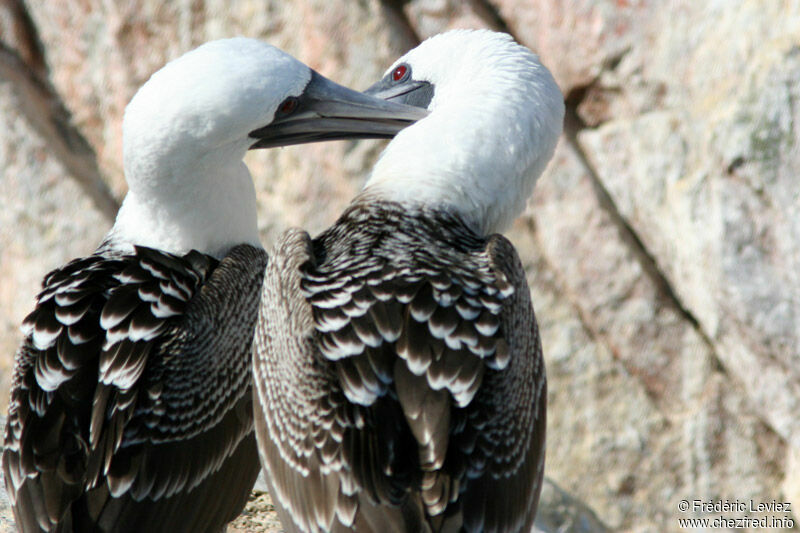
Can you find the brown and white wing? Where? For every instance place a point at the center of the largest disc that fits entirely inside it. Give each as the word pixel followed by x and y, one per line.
pixel 509 414
pixel 45 451
pixel 300 418
pixel 448 342
pixel 372 388
pixel 130 402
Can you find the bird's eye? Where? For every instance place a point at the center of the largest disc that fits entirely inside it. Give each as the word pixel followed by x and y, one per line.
pixel 400 73
pixel 288 106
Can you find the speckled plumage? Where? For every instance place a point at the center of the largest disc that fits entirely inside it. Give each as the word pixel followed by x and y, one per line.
pixel 131 395
pixel 130 408
pixel 399 379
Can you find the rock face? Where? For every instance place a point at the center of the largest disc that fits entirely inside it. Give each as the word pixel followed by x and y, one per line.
pixel 662 244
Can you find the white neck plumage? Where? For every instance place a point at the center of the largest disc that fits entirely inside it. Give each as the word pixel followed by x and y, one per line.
pixel 479 163
pixel 207 204
pixel 495 117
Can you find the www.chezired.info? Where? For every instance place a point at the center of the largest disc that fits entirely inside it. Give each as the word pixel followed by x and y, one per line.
pixel 735 514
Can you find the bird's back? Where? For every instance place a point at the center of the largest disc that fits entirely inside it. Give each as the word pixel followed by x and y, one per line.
pixel 130 406
pixel 399 377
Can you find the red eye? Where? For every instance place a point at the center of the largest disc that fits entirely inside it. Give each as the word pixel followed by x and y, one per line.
pixel 399 73
pixel 288 106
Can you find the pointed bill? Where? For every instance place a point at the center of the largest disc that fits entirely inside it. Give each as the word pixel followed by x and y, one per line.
pixel 327 111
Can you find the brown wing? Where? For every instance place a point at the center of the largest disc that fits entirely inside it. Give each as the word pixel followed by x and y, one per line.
pixel 510 413
pixel 130 405
pixel 380 382
pixel 300 426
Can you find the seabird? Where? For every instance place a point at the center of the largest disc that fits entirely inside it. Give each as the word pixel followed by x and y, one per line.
pixel 398 369
pixel 131 405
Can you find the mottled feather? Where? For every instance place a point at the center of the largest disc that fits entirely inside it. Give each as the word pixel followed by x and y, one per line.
pixel 398 374
pixel 131 395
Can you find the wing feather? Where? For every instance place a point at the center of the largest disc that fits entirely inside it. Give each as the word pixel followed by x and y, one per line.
pixel 398 365
pixel 102 410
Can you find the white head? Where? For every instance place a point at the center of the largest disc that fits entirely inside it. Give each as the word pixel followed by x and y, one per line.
pixel 496 115
pixel 187 129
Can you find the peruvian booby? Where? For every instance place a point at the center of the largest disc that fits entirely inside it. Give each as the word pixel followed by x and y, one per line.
pixel 131 405
pixel 398 369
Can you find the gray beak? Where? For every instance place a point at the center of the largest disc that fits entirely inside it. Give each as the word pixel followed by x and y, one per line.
pixel 410 92
pixel 327 111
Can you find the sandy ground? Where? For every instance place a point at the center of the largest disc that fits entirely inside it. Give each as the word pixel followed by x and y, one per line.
pixel 258 516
